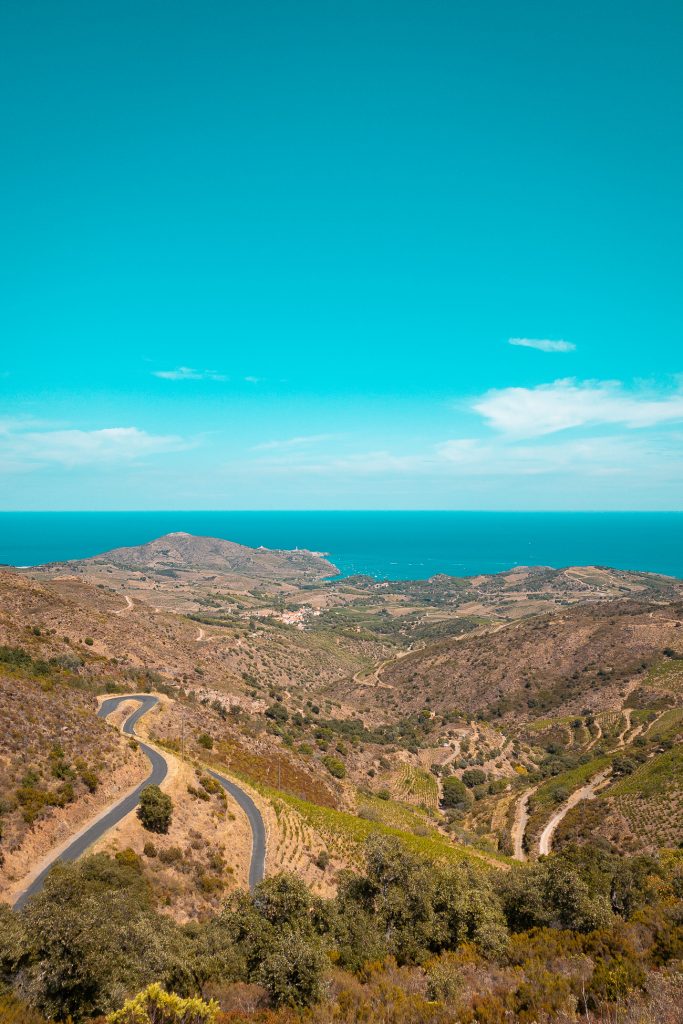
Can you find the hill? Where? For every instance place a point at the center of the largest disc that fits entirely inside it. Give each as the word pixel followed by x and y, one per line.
pixel 585 656
pixel 183 551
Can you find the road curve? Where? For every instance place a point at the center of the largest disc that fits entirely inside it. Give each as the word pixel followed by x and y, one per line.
pixel 91 834
pixel 115 814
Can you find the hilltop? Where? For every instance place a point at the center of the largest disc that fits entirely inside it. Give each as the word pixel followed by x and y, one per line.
pixel 183 552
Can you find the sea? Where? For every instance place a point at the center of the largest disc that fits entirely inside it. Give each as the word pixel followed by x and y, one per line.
pixel 386 545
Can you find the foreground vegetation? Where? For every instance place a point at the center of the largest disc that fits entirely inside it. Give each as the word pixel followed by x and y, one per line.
pixel 405 940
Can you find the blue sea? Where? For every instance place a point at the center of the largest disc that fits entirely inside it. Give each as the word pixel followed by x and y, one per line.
pixel 387 545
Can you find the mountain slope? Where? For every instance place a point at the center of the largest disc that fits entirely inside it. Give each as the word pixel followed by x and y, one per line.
pixel 183 551
pixel 584 656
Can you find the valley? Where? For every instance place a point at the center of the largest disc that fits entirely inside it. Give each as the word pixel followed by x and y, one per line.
pixel 294 717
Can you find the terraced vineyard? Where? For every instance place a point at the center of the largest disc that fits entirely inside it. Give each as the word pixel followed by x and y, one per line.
pixel 651 799
pixel 416 786
pixel 393 814
pixel 346 834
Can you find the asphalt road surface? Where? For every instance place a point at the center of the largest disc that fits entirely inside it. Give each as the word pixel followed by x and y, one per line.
pixel 115 814
pixel 258 831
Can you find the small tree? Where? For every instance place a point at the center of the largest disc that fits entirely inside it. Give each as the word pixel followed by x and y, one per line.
pixel 293 971
pixel 155 810
pixel 455 792
pixel 473 777
pixel 154 1006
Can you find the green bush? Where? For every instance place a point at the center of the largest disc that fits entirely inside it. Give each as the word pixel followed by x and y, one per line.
pixel 473 777
pixel 155 810
pixel 335 767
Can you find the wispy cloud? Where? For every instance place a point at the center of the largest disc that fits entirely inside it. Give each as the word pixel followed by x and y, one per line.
pixel 563 404
pixel 543 344
pixel 188 373
pixel 588 456
pixel 83 447
pixel 253 380
pixel 294 442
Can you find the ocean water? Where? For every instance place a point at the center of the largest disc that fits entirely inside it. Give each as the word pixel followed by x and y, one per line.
pixel 387 545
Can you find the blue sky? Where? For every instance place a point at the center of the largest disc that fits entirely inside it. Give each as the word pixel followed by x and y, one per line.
pixel 267 255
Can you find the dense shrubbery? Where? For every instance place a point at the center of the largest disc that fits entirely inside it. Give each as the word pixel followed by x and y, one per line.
pixel 407 940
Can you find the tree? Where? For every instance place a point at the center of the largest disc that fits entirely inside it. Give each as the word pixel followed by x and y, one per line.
pixel 473 777
pixel 155 810
pixel 293 971
pixel 455 793
pixel 92 939
pixel 154 1006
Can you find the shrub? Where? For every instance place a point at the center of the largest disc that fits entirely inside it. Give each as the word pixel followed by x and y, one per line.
pixel 155 810
pixel 204 740
pixel 335 767
pixel 322 860
pixel 129 858
pixel 277 713
pixel 154 1006
pixel 89 641
pixel 90 779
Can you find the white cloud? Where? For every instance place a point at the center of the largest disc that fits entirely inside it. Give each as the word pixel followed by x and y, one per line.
pixel 591 456
pixel 253 380
pixel 543 344
pixel 548 408
pixel 188 373
pixel 82 447
pixel 294 442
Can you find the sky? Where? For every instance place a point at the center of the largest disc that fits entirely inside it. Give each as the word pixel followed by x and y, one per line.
pixel 314 254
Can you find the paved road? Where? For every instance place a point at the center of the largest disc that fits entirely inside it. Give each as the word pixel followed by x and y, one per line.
pixel 257 866
pixel 90 835
pixel 115 814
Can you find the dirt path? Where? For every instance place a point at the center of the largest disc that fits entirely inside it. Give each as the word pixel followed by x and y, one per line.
pixel 586 792
pixel 597 737
pixel 621 738
pixel 129 605
pixel 520 823
pixel 200 635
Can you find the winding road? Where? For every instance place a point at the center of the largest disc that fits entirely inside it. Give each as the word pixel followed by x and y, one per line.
pixel 113 815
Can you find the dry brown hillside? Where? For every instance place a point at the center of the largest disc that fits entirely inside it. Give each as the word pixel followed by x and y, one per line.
pixel 184 551
pixel 583 656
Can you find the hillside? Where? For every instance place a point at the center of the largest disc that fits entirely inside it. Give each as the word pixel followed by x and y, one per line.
pixel 585 656
pixel 444 729
pixel 181 552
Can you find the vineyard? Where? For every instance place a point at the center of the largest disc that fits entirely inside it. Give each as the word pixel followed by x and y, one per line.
pixel 651 799
pixel 345 835
pixel 416 786
pixel 555 791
